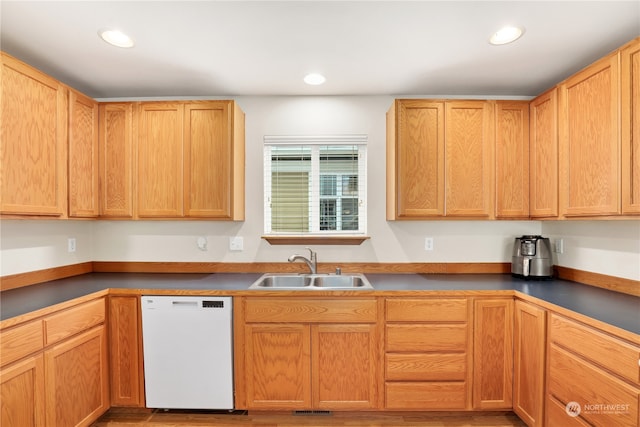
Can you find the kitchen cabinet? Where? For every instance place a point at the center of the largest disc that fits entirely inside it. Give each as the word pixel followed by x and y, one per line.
pixel 22 393
pixel 512 159
pixel 125 340
pixel 294 354
pixel 493 353
pixel 427 354
pixel 83 156
pixel 593 369
pixel 440 159
pixel 543 155
pixel 529 349
pixel 630 126
pixel 117 130
pixel 589 140
pixel 33 176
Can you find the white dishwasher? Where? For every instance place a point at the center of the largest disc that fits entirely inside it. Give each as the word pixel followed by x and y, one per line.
pixel 188 352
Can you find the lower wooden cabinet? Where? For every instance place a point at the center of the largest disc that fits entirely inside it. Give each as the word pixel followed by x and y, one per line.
pixel 22 393
pixel 529 349
pixel 77 379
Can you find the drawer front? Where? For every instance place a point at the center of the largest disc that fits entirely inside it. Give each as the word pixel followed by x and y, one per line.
pixel 426 367
pixel 557 415
pixel 616 355
pixel 426 396
pixel 265 310
pixel 77 319
pixel 18 342
pixel 426 310
pixel 418 338
pixel 571 379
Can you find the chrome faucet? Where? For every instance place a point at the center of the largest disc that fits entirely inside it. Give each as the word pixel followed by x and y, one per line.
pixel 312 261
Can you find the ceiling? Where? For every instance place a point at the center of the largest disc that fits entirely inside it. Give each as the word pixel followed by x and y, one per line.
pixel 244 48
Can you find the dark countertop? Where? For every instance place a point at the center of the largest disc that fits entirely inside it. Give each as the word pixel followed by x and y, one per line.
pixel 617 309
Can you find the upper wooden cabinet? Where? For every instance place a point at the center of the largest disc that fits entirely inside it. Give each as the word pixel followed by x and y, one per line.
pixel 543 155
pixel 440 159
pixel 83 156
pixel 589 141
pixel 512 159
pixel 630 126
pixel 33 138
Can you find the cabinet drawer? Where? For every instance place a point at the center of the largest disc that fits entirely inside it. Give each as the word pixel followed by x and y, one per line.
pixel 426 310
pixel 18 342
pixel 443 338
pixel 615 355
pixel 426 367
pixel 557 415
pixel 70 322
pixel 571 379
pixel 266 310
pixel 424 396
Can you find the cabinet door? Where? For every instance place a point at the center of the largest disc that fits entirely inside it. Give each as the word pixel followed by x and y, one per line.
pixel 344 360
pixel 630 120
pixel 589 141
pixel 529 362
pixel 22 394
pixel 124 344
pixel 493 353
pixel 543 152
pixel 512 159
pixel 415 163
pixel 116 142
pixel 33 142
pixel 278 366
pixel 469 136
pixel 83 156
pixel 207 161
pixel 160 175
pixel 77 379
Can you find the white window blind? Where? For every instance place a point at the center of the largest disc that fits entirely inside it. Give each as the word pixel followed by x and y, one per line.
pixel 315 184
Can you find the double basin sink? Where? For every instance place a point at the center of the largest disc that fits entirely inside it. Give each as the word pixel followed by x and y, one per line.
pixel 311 282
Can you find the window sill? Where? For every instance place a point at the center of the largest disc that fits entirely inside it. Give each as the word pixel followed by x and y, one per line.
pixel 315 240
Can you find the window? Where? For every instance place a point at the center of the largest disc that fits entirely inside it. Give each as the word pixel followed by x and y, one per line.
pixel 315 185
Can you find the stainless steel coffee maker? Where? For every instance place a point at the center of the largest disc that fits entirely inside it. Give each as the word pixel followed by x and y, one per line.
pixel 532 258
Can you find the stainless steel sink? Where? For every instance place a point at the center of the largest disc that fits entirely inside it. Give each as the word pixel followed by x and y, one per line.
pixel 271 281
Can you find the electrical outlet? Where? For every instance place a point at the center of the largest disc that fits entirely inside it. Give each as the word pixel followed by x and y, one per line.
pixel 428 243
pixel 71 244
pixel 202 243
pixel 236 243
pixel 559 246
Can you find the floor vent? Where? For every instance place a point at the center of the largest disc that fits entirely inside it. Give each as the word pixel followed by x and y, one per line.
pixel 311 413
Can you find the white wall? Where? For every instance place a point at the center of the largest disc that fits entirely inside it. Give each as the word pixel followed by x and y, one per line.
pixel 22 242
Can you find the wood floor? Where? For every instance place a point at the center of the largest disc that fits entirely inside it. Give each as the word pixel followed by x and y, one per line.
pixel 159 418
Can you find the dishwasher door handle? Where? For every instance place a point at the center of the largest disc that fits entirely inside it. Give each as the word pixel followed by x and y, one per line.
pixel 186 304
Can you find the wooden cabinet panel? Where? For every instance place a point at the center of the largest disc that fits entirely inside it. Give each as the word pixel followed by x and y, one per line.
pixel 311 310
pixel 33 135
pixel 77 379
pixel 426 337
pixel 630 122
pixel 21 341
pixel 340 382
pixel 426 310
pixel 589 141
pixel 116 146
pixel 512 159
pixel 529 363
pixel 571 379
pixel 22 394
pixel 69 322
pixel 426 366
pixel 469 140
pixel 493 353
pixel 83 156
pixel 160 149
pixel 543 155
pixel 125 353
pixel 278 366
pixel 417 174
pixel 556 415
pixel 425 395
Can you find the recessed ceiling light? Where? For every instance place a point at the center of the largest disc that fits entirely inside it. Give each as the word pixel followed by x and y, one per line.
pixel 506 35
pixel 314 79
pixel 116 38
